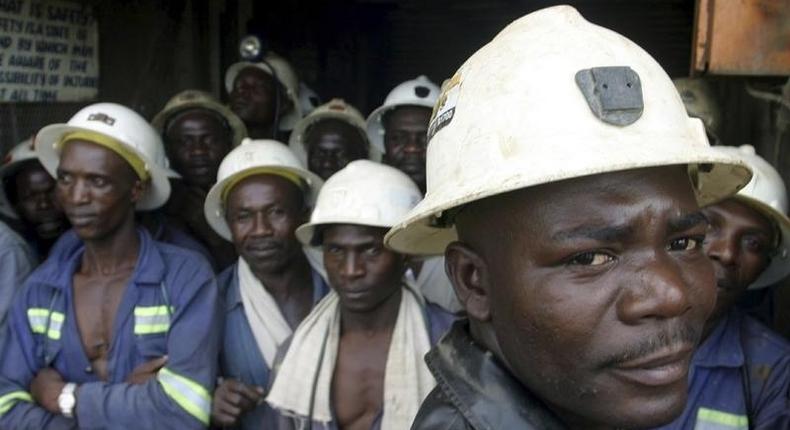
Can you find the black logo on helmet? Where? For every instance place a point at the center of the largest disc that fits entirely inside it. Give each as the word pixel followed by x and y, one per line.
pixel 422 92
pixel 103 117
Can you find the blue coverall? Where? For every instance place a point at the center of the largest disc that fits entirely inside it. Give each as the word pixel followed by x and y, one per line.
pixel 170 307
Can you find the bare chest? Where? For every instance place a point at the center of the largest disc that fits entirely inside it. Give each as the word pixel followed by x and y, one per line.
pixel 96 303
pixel 358 381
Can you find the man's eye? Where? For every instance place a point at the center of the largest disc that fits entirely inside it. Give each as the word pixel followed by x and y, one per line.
pixel 591 259
pixel 686 243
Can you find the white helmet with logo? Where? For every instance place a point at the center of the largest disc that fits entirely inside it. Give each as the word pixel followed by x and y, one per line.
pixel 11 163
pixel 767 194
pixel 286 76
pixel 255 157
pixel 416 92
pixel 120 129
pixel 363 193
pixel 335 109
pixel 554 97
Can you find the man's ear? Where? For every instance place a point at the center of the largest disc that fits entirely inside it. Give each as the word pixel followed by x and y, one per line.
pixel 468 273
pixel 138 188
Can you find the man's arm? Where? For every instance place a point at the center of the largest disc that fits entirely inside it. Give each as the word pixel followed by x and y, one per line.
pixel 180 395
pixel 16 264
pixel 18 366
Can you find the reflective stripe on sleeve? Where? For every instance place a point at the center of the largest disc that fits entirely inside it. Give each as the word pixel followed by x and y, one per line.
pixel 40 317
pixel 151 319
pixel 188 394
pixel 711 419
pixel 8 401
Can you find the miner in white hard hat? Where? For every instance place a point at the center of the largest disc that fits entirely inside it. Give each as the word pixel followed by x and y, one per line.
pixel 564 185
pixel 742 368
pixel 373 329
pixel 27 194
pixel 398 128
pixel 263 193
pixel 114 328
pixel 265 95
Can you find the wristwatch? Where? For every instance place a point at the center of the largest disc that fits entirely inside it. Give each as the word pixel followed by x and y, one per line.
pixel 67 400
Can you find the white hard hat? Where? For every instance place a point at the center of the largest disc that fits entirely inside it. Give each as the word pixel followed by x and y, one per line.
pixel 363 193
pixel 250 158
pixel 335 109
pixel 195 99
pixel 285 75
pixel 308 99
pixel 767 194
pixel 122 125
pixel 22 152
pixel 416 92
pixel 554 97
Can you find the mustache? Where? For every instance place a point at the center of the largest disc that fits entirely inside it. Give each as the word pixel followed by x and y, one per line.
pixel 676 334
pixel 264 243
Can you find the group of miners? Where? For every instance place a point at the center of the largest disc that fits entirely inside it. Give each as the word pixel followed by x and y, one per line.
pixel 547 241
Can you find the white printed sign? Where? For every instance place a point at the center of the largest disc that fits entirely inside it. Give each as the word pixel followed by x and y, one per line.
pixel 49 51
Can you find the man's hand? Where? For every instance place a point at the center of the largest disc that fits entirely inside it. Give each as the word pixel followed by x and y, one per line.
pixel 45 389
pixel 142 373
pixel 232 399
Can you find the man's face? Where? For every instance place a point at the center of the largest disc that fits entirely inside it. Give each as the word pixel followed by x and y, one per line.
pixel 263 212
pixel 36 203
pixel 197 140
pixel 406 139
pixel 738 242
pixel 96 188
pixel 253 96
pixel 331 145
pixel 597 311
pixel 362 272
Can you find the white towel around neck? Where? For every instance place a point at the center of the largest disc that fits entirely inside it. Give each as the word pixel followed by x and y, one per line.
pixel 407 380
pixel 269 327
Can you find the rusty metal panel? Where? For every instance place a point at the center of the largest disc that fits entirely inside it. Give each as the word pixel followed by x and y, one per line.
pixel 742 37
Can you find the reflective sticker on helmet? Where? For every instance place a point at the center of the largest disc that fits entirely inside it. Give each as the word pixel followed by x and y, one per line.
pixel 444 110
pixel 614 94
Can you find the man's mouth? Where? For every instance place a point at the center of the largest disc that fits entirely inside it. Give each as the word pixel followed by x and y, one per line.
pixel 80 219
pixel 666 366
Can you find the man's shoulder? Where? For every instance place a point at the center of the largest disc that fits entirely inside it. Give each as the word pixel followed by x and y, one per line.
pixel 762 343
pixel 178 258
pixel 437 412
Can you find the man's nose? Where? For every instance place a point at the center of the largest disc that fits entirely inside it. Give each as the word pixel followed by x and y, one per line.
pixel 658 291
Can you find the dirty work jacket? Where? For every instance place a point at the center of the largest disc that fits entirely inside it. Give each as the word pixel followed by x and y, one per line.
pixel 438 321
pixel 240 357
pixel 738 348
pixel 168 308
pixel 474 391
pixel 17 260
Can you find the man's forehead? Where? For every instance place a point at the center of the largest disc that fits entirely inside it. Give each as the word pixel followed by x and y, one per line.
pixel 252 72
pixel 263 188
pixel 89 157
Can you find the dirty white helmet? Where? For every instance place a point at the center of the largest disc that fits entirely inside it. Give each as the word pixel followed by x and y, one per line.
pixel 416 92
pixel 119 124
pixel 254 157
pixel 335 109
pixel 195 99
pixel 308 99
pixel 554 97
pixel 286 76
pixel 363 193
pixel 767 194
pixel 22 152
pixel 700 102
